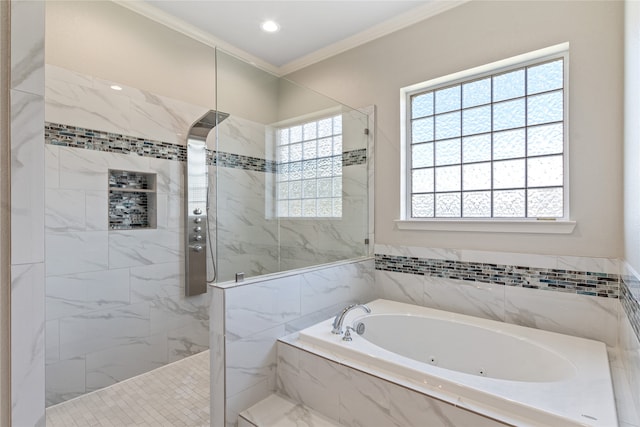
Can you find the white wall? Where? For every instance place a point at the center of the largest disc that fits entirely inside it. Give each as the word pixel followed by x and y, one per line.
pixel 474 34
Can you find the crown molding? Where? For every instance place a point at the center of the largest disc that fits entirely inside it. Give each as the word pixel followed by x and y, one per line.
pixel 396 23
pixel 399 22
pixel 177 24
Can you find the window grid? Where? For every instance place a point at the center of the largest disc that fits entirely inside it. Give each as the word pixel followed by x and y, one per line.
pixel 526 189
pixel 309 174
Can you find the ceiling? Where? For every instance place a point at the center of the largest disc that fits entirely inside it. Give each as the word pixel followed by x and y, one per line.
pixel 310 30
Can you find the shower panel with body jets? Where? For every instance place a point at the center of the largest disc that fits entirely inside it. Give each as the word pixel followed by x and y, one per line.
pixel 197 234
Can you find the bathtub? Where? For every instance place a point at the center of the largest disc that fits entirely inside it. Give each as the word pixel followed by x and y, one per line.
pixel 513 374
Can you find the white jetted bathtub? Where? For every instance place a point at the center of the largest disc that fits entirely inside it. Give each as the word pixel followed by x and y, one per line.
pixel 510 373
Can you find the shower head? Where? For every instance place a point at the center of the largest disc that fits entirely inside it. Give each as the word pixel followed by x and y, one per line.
pixel 201 128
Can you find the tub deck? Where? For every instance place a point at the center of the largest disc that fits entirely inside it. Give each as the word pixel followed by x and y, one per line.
pixel 584 399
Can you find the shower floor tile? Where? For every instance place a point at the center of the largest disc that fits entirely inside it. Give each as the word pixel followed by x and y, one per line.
pixel 173 395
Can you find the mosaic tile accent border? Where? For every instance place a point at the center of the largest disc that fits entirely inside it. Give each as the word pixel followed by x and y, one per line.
pixel 578 282
pixel 354 157
pixel 629 295
pixel 91 139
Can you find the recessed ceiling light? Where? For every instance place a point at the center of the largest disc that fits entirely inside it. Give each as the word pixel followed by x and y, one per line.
pixel 270 26
pixel 116 87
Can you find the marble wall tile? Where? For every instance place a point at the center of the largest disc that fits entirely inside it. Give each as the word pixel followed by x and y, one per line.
pixel 408 288
pixel 65 380
pixel 477 299
pixel 156 281
pixel 65 210
pixel 323 288
pixel 629 351
pixel 87 169
pixel 83 106
pixel 509 258
pixel 245 399
pixel 419 252
pixel 144 247
pixel 187 340
pixel 172 312
pixel 80 293
pixel 27 344
pixel 51 167
pixel 170 175
pixel 124 361
pixel 261 306
pixel 76 252
pixel 97 210
pixel 52 341
pixel 27 46
pixel 252 360
pixel 100 330
pixel 603 265
pixel 242 136
pixel 577 315
pixel 27 176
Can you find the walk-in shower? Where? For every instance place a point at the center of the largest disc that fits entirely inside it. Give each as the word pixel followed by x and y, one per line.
pixel 197 234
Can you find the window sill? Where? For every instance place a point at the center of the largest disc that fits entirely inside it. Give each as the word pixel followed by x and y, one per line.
pixel 489 226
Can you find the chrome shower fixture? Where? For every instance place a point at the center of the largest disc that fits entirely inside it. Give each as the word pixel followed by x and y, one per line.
pixel 196 199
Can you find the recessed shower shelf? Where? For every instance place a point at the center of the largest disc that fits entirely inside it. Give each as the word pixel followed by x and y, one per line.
pixel 132 200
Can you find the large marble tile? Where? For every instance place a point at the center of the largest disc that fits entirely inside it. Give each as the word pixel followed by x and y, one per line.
pixel 418 252
pixel 365 401
pixel 75 294
pixel 629 352
pixel 252 360
pixel 104 329
pixel 155 281
pixel 187 340
pixel 97 210
pixel 65 380
pixel 65 210
pixel 261 306
pixel 76 252
pixel 600 265
pixel 324 288
pixel 86 107
pixel 471 298
pixel 509 258
pixel 170 175
pixel 27 344
pixel 51 167
pixel 27 178
pixel 27 46
pixel 579 315
pixel 243 400
pixel 217 367
pixel 52 341
pixel 402 287
pixel 242 136
pixel 144 247
pixel 125 361
pixel 168 313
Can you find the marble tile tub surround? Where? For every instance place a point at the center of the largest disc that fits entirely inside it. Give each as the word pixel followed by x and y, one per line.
pixel 353 396
pixel 458 281
pixel 626 368
pixel 247 319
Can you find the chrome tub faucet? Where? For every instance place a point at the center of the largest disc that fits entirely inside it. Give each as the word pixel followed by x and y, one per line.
pixel 337 322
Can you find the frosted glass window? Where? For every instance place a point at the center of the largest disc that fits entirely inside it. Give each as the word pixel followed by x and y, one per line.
pixel 476 204
pixel 422 105
pixel 448 125
pixel 448 99
pixel 476 93
pixel 447 152
pixel 422 155
pixel 309 169
pixel 489 147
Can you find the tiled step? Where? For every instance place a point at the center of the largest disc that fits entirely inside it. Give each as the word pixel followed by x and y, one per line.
pixel 276 411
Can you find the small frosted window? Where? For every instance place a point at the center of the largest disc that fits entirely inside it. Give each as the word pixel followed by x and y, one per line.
pixel 489 147
pixel 309 170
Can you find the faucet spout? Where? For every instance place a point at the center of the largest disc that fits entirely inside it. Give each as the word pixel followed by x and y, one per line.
pixel 337 322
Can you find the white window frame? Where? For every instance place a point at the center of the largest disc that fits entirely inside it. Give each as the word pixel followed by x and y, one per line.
pixel 519 225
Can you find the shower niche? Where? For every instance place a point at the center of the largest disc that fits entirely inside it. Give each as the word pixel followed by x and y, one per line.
pixel 132 200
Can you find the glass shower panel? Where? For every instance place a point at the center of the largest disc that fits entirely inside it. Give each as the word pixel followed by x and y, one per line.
pixel 291 174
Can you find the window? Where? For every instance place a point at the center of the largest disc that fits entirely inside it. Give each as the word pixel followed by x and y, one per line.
pixel 309 178
pixel 490 144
